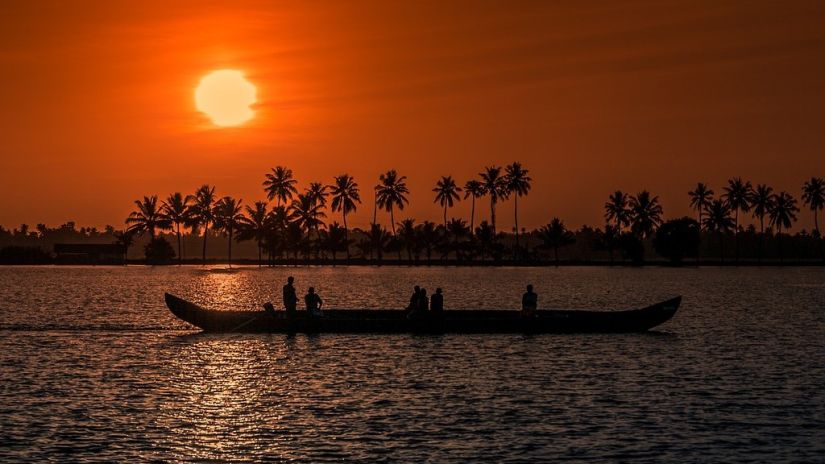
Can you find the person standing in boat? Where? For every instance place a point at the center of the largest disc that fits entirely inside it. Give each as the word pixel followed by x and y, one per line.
pixel 313 302
pixel 290 297
pixel 437 301
pixel 529 301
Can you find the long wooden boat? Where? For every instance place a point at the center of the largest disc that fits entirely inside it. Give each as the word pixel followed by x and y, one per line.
pixel 450 321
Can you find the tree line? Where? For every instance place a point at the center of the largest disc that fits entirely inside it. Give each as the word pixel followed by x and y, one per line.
pixel 295 224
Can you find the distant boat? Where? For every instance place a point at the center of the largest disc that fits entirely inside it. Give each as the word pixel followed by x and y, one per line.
pixel 451 321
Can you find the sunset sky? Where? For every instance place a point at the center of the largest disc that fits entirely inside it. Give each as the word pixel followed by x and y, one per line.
pixel 98 100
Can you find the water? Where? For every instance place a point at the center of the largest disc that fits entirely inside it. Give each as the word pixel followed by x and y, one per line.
pixel 94 367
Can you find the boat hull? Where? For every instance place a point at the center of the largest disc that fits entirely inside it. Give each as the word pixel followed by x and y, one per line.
pixel 452 321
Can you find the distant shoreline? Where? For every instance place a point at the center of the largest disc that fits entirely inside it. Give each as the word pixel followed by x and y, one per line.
pixel 451 263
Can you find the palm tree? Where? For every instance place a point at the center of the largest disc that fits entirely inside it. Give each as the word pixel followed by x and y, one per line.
pixel 176 210
pixel 474 189
pixel 390 193
pixel 125 238
pixel 813 195
pixel 335 240
pixel 306 213
pixel 280 184
pixel 761 201
pixel 700 198
pixel 737 195
pixel 518 183
pixel 427 236
pixel 345 195
pixel 379 238
pixel 446 194
pixel 555 235
pixel 486 238
pixel 202 212
pixel 783 214
pixel 719 221
pixel 615 209
pixel 645 214
pixel 229 218
pixel 408 236
pixel 458 230
pixel 256 226
pixel 495 185
pixel 147 217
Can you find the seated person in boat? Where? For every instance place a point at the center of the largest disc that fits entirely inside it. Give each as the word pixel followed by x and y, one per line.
pixel 423 302
pixel 414 298
pixel 529 301
pixel 437 301
pixel 290 297
pixel 313 302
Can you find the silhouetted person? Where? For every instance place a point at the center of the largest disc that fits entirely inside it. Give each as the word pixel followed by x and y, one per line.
pixel 290 297
pixel 529 301
pixel 437 301
pixel 423 302
pixel 414 298
pixel 313 302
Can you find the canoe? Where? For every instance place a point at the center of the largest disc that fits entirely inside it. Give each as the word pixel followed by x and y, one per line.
pixel 450 321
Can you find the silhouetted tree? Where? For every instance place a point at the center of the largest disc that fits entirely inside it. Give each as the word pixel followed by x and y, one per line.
pixel 518 184
pixel 125 238
pixel 202 212
pixel 280 184
pixel 719 221
pixel 783 214
pixel 737 195
pixel 146 218
pixel 176 210
pixel 457 229
pixel 317 193
pixel 158 251
pixel 335 240
pixel 645 214
pixel 255 226
pixel 473 189
pixel 306 213
pixel 446 193
pixel 486 239
pixel 677 238
pixel 700 199
pixel 408 236
pixel 761 202
pixel 813 196
pixel 228 219
pixel 391 193
pixel 428 237
pixel 554 236
pixel 616 210
pixel 495 185
pixel 345 195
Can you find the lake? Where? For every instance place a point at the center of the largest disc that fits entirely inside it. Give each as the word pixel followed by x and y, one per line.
pixel 94 367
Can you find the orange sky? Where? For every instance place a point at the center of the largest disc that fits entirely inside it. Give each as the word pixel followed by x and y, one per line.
pixel 97 100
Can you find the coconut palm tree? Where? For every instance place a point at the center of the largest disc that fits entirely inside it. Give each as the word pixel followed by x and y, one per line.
pixel 813 195
pixel 645 214
pixel 446 194
pixel 495 185
pixel 305 212
pixel 737 195
pixel 761 202
pixel 176 210
pixel 280 184
pixel 555 235
pixel 256 226
pixel 335 240
pixel 427 236
pixel 783 214
pixel 458 230
pixel 345 195
pixel 700 198
pixel 473 189
pixel 408 236
pixel 201 213
pixel 392 192
pixel 616 210
pixel 125 238
pixel 720 222
pixel 229 219
pixel 148 217
pixel 518 184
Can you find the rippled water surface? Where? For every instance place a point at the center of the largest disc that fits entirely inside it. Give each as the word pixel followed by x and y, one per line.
pixel 94 367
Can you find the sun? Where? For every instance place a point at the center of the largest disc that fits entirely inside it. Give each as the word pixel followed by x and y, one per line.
pixel 226 96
